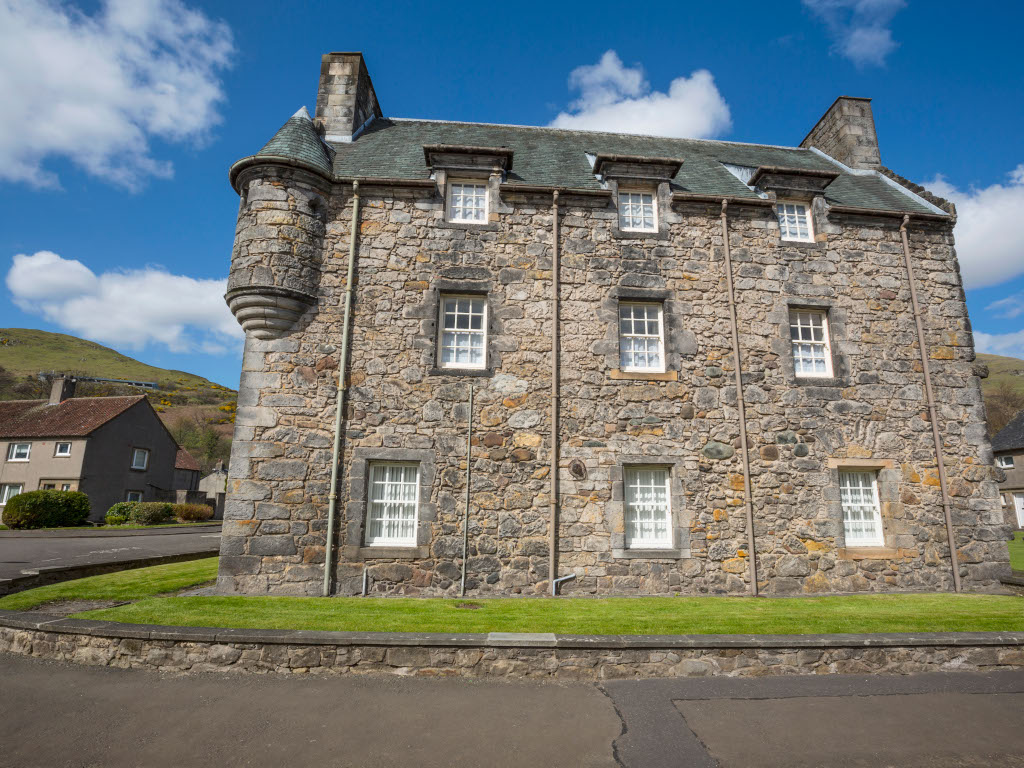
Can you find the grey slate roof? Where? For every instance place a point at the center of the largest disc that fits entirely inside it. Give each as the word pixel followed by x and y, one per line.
pixel 298 139
pixel 1010 437
pixel 553 157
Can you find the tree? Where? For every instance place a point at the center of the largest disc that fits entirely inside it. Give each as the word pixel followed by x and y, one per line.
pixel 203 440
pixel 1002 405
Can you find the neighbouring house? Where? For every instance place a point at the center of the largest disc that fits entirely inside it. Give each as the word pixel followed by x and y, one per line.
pixel 1008 445
pixel 689 366
pixel 186 471
pixel 111 448
pixel 215 482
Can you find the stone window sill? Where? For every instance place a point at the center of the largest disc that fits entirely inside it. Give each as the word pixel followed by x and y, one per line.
pixel 386 553
pixel 868 553
pixel 650 554
pixel 818 381
pixel 802 245
pixel 641 376
pixel 489 227
pixel 478 372
pixel 624 235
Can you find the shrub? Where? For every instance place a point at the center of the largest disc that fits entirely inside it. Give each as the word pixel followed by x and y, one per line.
pixel 46 509
pixel 120 513
pixel 186 513
pixel 151 512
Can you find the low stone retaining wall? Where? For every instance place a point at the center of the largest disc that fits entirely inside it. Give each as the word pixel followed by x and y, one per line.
pixel 512 655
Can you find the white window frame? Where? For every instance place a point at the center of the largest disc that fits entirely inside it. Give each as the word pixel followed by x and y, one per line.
pixel 784 231
pixel 628 194
pixel 660 368
pixel 825 343
pixel 856 478
pixel 443 329
pixel 58 453
pixel 1018 508
pixel 1004 462
pixel 373 503
pixel 630 476
pixel 128 496
pixel 462 218
pixel 65 486
pixel 145 459
pixel 5 492
pixel 12 451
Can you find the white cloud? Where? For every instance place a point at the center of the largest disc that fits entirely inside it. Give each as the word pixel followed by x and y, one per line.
pixel 860 28
pixel 1005 344
pixel 129 308
pixel 989 228
pixel 1009 308
pixel 619 99
pixel 96 89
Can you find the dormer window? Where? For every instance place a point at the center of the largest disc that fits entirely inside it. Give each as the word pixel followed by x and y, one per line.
pixel 795 221
pixel 467 202
pixel 638 211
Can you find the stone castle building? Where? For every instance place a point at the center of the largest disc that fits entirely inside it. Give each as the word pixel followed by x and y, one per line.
pixel 688 366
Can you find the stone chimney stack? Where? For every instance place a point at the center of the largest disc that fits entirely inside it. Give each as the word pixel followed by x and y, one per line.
pixel 345 100
pixel 61 388
pixel 846 132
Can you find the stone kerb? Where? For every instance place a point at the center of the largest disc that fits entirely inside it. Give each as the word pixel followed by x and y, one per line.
pixel 509 655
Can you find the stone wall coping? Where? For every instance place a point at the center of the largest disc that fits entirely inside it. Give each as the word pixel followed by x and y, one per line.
pixel 60 625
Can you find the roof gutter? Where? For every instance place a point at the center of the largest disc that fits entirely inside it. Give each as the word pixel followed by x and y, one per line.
pixel 292 162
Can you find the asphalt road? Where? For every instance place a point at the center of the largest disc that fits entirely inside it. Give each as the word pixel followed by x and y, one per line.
pixel 21 555
pixel 65 715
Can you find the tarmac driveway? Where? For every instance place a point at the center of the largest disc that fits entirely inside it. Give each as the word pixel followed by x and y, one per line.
pixel 20 553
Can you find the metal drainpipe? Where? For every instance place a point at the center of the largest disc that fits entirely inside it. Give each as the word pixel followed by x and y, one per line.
pixel 739 400
pixel 553 515
pixel 469 479
pixel 342 387
pixel 932 416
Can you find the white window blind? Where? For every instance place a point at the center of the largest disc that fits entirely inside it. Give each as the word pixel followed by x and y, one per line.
pixel 862 516
pixel 794 221
pixel 648 508
pixel 812 353
pixel 393 503
pixel 637 212
pixel 641 337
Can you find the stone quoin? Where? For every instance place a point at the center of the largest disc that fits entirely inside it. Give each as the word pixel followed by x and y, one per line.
pixel 660 243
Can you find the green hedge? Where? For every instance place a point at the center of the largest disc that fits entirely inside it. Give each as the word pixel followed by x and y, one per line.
pixel 46 509
pixel 156 512
pixel 187 513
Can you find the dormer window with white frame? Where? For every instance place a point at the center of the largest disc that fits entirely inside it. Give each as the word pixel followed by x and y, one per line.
pixel 467 202
pixel 795 221
pixel 812 350
pixel 638 211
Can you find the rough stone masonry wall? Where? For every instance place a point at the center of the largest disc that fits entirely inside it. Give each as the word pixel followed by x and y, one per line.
pixel 399 407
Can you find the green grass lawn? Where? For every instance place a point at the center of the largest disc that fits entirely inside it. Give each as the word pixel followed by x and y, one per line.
pixel 1017 551
pixel 642 615
pixel 123 585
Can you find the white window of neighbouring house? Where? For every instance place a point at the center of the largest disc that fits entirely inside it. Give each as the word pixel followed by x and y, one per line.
pixel 641 337
pixel 140 458
pixel 133 496
pixel 862 515
pixel 19 451
pixel 795 221
pixel 812 352
pixel 393 505
pixel 467 202
pixel 1018 507
pixel 638 212
pixel 62 449
pixel 65 486
pixel 9 491
pixel 463 332
pixel 648 508
pixel 1005 462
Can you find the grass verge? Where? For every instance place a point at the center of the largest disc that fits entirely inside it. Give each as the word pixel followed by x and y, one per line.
pixel 1017 551
pixel 642 615
pixel 118 527
pixel 124 585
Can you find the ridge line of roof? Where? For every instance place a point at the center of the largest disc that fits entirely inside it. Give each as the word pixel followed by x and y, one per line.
pixel 605 133
pixel 91 397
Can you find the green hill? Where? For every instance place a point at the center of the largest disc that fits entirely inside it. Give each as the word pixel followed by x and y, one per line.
pixel 1002 371
pixel 25 352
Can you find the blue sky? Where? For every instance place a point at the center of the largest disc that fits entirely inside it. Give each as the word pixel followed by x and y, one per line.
pixel 121 119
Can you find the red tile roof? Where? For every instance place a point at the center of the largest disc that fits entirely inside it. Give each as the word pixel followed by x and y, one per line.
pixel 184 460
pixel 75 417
